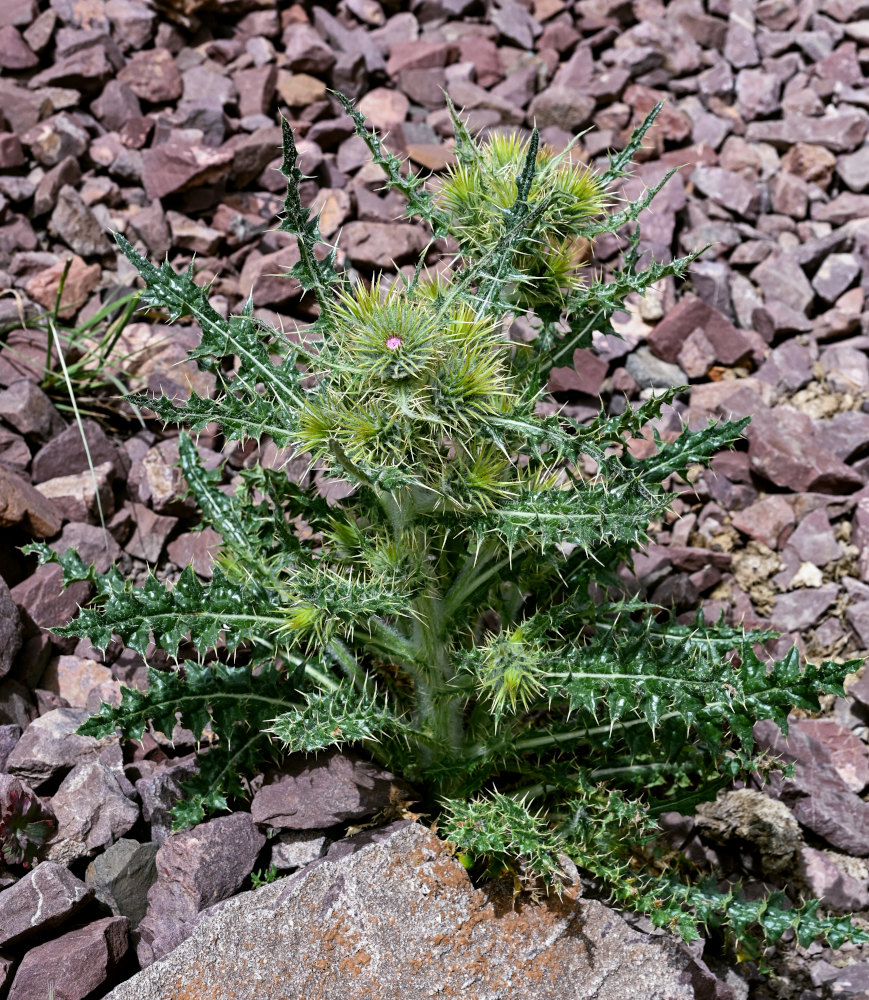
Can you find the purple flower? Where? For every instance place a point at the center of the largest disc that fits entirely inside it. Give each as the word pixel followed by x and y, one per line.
pixel 394 343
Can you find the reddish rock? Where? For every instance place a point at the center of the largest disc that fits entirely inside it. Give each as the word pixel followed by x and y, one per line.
pixel 150 533
pixel 23 506
pixel 72 677
pixel 24 406
pixel 783 449
pixel 306 52
pixel 563 106
pixel 373 245
pixel 196 549
pixel 385 109
pixel 848 753
pixel 49 747
pixel 152 76
pixel 298 90
pixel 765 520
pixel 43 899
pixel 841 131
pixel 55 138
pixel 697 355
pixel 256 89
pixel 312 793
pixel 196 869
pixel 417 55
pixel 668 337
pixel 586 375
pixel 65 453
pixel 817 795
pixel 176 165
pixel 81 280
pixel 266 278
pixel 673 124
pixel 15 53
pixel 76 963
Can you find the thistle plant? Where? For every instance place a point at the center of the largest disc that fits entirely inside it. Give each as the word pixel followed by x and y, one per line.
pixel 458 616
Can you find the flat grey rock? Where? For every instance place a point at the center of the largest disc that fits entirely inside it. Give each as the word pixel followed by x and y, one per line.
pixel 400 918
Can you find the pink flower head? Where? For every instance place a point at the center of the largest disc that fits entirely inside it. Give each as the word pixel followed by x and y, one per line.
pixel 394 343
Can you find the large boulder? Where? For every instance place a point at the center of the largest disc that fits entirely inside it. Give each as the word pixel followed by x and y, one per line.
pixel 399 917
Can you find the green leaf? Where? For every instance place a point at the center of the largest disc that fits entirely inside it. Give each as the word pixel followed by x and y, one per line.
pixel 333 717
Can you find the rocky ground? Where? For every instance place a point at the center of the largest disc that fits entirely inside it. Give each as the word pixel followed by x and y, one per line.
pixel 159 121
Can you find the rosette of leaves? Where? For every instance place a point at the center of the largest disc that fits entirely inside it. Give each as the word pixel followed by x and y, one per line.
pixel 458 615
pixel 25 825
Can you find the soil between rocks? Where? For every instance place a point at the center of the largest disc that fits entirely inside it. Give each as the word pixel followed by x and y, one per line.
pixel 161 122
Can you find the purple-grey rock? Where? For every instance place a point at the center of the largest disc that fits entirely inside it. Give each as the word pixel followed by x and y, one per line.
pixel 814 540
pixel 827 881
pixel 836 275
pixel 840 131
pixel 92 811
pixel 781 278
pixel 73 222
pixel 728 188
pixel 784 449
pixel 798 610
pixel 10 629
pixel 24 406
pixel 43 899
pixel 65 454
pixel 817 795
pixel 847 368
pixel 845 434
pixel 160 790
pixel 196 869
pixel 9 737
pixel 315 792
pixel 94 544
pixel 76 963
pixel 50 746
pixel 854 169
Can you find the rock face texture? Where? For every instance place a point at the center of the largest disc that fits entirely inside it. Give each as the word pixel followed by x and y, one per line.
pixel 400 918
